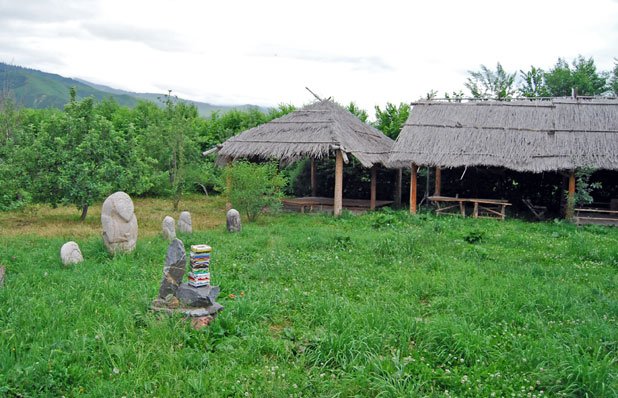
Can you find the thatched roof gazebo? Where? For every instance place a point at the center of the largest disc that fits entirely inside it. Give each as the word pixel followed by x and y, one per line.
pixel 314 131
pixel 533 136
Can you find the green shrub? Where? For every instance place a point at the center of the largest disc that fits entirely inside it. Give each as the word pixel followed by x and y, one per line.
pixel 254 187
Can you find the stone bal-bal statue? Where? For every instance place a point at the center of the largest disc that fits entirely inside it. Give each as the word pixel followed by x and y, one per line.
pixel 119 223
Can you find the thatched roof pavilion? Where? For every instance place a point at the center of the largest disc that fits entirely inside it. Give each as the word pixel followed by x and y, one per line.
pixel 534 136
pixel 314 131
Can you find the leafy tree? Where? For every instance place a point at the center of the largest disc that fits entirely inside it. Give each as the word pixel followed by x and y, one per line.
pixel 391 119
pixel 487 84
pixel 358 112
pixel 173 139
pixel 613 79
pixel 77 157
pixel 455 96
pixel 582 74
pixel 533 83
pixel 431 95
pixel 254 187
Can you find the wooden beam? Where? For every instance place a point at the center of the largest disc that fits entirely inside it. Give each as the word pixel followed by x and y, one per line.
pixel 313 184
pixel 228 181
pixel 338 200
pixel 438 181
pixel 372 206
pixel 398 184
pixel 413 172
pixel 571 197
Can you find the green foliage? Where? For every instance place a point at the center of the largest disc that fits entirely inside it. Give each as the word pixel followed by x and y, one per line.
pixel 455 96
pixel 358 112
pixel 582 75
pixel 390 120
pixel 613 79
pixel 487 84
pixel 533 83
pixel 254 187
pixel 584 188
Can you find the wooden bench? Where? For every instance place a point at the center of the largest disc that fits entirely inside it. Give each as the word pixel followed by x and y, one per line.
pixel 595 216
pixel 483 208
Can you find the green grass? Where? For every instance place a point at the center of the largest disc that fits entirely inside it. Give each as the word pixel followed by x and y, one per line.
pixel 383 304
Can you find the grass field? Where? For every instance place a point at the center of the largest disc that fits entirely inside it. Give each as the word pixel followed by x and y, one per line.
pixel 383 304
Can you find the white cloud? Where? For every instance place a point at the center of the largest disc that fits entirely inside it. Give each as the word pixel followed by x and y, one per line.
pixel 267 52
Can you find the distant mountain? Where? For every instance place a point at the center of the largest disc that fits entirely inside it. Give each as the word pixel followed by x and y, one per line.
pixel 36 89
pixel 204 108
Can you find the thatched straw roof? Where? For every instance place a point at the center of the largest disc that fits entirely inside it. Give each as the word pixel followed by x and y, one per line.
pixel 312 131
pixel 531 136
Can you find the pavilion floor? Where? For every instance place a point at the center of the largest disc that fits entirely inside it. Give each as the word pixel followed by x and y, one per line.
pixel 324 204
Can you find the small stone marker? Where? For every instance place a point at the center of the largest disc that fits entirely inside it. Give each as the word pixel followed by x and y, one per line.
pixel 233 221
pixel 70 253
pixel 174 270
pixel 184 223
pixel 2 273
pixel 168 228
pixel 119 223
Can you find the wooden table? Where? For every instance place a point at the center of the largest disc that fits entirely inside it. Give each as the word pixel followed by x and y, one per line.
pixel 483 208
pixel 596 216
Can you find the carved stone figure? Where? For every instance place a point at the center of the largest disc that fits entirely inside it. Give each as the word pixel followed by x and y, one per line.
pixel 168 228
pixel 119 223
pixel 184 223
pixel 233 221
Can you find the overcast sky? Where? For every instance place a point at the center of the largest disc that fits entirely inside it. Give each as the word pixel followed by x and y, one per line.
pixel 266 52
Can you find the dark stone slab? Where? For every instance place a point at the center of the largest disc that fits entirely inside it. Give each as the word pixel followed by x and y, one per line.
pixel 204 296
pixel 175 264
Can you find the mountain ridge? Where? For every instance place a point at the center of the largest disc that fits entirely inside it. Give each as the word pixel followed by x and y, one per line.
pixel 33 88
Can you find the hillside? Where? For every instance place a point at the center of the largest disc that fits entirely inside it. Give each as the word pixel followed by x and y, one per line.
pixel 35 89
pixel 203 108
pixel 32 88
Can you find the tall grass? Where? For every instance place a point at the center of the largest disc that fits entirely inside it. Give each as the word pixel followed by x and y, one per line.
pixel 383 304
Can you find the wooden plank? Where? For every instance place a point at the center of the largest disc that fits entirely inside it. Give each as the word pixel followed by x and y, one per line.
pixel 338 200
pixel 438 181
pixel 372 206
pixel 413 189
pixel 596 211
pixel 471 200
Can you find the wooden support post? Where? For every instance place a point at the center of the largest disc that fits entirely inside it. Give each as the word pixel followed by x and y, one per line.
pixel 338 200
pixel 313 189
pixel 571 197
pixel 413 189
pixel 373 188
pixel 228 181
pixel 398 184
pixel 438 181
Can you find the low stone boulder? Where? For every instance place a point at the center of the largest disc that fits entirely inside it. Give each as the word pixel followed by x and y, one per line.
pixel 233 221
pixel 168 228
pixel 204 296
pixel 70 253
pixel 184 223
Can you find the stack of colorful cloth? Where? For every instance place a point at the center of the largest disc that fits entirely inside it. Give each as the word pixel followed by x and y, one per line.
pixel 200 262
